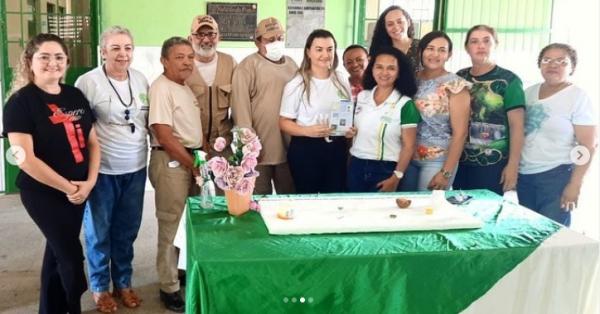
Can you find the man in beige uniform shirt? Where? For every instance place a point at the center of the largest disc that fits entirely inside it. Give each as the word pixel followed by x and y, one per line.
pixel 176 130
pixel 258 83
pixel 211 80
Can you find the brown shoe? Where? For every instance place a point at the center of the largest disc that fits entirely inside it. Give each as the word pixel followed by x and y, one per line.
pixel 104 302
pixel 128 296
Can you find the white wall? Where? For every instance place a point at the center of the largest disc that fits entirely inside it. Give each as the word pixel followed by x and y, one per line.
pixel 576 22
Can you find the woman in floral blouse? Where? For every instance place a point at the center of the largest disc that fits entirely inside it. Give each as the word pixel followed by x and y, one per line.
pixel 443 102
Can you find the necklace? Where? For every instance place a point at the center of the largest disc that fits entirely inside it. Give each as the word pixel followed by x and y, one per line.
pixel 114 89
pixel 127 112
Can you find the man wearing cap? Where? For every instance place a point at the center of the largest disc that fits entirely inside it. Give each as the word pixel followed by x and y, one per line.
pixel 211 80
pixel 176 129
pixel 258 84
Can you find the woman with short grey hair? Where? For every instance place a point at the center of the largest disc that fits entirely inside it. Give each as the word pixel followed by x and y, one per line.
pixel 118 98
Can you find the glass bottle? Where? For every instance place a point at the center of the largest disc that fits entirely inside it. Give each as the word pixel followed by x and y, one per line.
pixel 207 194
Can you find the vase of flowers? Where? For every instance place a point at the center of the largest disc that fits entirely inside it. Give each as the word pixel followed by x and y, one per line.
pixel 236 175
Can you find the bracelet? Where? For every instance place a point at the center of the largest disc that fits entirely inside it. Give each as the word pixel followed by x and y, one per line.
pixel 447 174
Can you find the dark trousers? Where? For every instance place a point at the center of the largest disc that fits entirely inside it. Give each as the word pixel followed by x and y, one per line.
pixel 63 279
pixel 365 174
pixel 469 177
pixel 318 166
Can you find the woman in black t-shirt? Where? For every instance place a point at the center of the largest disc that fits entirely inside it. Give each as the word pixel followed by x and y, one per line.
pixel 395 28
pixel 49 127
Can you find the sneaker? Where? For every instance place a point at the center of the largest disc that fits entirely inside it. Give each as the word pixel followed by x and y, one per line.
pixel 173 301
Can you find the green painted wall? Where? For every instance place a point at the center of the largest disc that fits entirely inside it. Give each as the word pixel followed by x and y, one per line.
pixel 153 21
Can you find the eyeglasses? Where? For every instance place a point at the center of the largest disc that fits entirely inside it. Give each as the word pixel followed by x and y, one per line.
pixel 200 36
pixel 558 61
pixel 46 58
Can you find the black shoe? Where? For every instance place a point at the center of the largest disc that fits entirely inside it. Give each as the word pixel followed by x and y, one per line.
pixel 181 277
pixel 173 301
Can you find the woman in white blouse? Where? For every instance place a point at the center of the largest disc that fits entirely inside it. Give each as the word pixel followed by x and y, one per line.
pixel 317 161
pixel 559 117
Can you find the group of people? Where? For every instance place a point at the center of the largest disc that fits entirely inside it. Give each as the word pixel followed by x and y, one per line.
pixel 476 129
pixel 416 126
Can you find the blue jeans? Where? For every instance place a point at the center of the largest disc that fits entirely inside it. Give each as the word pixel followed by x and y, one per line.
pixel 541 192
pixel 419 173
pixel 364 174
pixel 112 218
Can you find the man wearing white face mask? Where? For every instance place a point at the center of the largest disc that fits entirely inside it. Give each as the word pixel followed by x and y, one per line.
pixel 211 80
pixel 257 86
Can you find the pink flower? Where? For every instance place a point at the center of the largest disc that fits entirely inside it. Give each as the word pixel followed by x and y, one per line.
pixel 221 183
pixel 252 147
pixel 245 186
pixel 233 175
pixel 255 206
pixel 247 135
pixel 219 144
pixel 252 173
pixel 249 163
pixel 250 155
pixel 218 165
pixel 238 171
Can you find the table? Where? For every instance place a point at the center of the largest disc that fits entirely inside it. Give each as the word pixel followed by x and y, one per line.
pixel 519 262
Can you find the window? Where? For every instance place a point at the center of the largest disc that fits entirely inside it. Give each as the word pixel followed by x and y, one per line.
pixel 420 11
pixel 523 28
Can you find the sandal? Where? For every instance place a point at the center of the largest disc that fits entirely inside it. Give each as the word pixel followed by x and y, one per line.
pixel 128 296
pixel 104 302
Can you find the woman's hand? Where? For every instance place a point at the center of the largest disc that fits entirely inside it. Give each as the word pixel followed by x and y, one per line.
pixel 569 197
pixel 509 176
pixel 317 130
pixel 389 185
pixel 438 182
pixel 351 132
pixel 83 190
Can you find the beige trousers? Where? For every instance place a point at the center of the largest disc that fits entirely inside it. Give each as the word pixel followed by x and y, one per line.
pixel 280 175
pixel 172 186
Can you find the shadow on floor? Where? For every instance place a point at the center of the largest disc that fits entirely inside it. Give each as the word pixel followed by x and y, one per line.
pixel 21 252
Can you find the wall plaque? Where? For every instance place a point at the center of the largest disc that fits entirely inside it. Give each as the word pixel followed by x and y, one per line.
pixel 237 21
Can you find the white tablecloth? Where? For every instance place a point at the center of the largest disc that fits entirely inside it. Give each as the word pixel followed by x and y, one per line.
pixel 180 240
pixel 562 276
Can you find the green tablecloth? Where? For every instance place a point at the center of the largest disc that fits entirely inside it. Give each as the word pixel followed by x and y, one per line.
pixel 235 266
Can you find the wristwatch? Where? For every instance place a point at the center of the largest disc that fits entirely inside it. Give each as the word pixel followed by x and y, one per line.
pixel 399 174
pixel 447 174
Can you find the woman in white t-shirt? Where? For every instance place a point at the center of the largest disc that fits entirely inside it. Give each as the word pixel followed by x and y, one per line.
pixel 385 124
pixel 118 98
pixel 317 161
pixel 559 117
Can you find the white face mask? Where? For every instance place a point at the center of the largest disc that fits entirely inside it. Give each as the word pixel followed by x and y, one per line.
pixel 275 50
